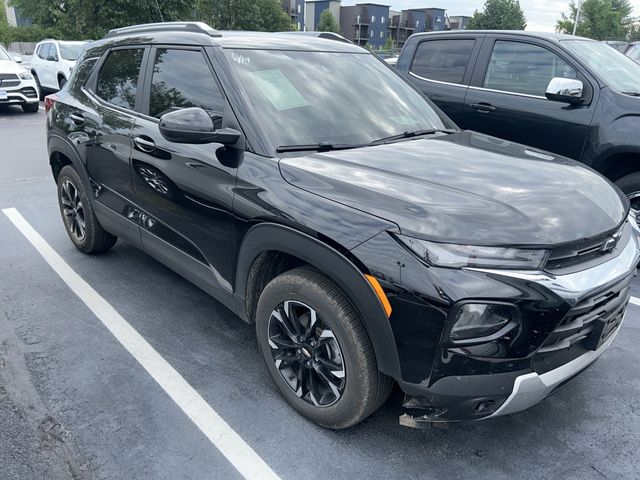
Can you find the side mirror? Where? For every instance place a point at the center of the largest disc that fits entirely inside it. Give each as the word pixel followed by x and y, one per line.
pixel 567 90
pixel 194 125
pixel 17 59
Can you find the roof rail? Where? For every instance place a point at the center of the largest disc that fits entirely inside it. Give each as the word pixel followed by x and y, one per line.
pixel 193 27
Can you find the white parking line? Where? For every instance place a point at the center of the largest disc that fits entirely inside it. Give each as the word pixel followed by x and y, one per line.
pixel 635 301
pixel 231 445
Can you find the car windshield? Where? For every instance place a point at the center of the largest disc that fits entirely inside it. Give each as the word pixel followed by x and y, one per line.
pixel 4 55
pixel 307 98
pixel 70 51
pixel 617 70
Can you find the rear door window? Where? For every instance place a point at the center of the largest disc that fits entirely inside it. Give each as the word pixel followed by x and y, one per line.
pixel 443 60
pixel 524 68
pixel 44 50
pixel 181 79
pixel 118 77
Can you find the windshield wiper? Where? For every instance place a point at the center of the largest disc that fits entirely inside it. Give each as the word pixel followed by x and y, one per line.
pixel 632 94
pixel 317 147
pixel 410 134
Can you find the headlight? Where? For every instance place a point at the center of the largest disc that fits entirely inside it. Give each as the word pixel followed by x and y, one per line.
pixel 456 256
pixel 25 76
pixel 480 320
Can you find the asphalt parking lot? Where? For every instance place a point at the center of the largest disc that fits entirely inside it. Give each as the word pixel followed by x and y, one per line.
pixel 75 403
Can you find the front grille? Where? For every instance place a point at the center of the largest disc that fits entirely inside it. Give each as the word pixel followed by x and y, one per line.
pixel 587 253
pixel 9 80
pixel 585 327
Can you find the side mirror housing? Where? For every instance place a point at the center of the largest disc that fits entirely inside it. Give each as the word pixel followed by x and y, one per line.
pixel 17 59
pixel 194 125
pixel 567 90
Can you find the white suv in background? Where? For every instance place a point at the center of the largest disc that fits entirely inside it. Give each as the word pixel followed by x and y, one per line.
pixel 53 61
pixel 17 86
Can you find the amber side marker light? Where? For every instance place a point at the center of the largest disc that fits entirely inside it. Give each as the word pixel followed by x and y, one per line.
pixel 380 293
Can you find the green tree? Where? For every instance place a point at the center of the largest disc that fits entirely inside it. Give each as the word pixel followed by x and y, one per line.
pixel 599 19
pixel 328 22
pixel 388 44
pixel 260 15
pixel 93 18
pixel 499 15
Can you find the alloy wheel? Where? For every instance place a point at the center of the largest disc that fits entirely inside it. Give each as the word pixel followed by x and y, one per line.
pixel 306 353
pixel 73 210
pixel 634 199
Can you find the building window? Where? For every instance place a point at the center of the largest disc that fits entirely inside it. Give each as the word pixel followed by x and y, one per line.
pixel 373 19
pixel 358 19
pixel 381 34
pixel 371 33
pixel 299 27
pixel 382 19
pixel 299 9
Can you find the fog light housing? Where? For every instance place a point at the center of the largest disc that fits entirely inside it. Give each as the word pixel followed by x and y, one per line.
pixel 482 322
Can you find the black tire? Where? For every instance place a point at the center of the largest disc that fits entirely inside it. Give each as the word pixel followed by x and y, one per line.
pixel 31 107
pixel 364 387
pixel 41 92
pixel 630 185
pixel 61 82
pixel 78 216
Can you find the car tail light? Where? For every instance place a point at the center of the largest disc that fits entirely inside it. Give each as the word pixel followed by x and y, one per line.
pixel 49 100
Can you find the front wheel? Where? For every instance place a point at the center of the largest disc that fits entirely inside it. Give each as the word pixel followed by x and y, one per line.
pixel 317 351
pixel 30 107
pixel 630 186
pixel 78 216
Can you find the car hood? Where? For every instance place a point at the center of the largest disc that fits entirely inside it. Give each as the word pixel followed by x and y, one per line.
pixel 467 188
pixel 9 66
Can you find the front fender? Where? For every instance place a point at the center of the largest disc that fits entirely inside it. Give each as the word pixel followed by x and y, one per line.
pixel 273 237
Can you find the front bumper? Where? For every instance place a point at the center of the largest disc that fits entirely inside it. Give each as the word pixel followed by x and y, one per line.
pixel 557 341
pixel 25 92
pixel 530 389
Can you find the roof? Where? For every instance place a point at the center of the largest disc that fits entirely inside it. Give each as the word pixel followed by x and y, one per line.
pixel 196 33
pixel 544 35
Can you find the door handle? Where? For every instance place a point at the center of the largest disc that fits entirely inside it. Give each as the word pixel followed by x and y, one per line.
pixel 483 107
pixel 145 144
pixel 76 119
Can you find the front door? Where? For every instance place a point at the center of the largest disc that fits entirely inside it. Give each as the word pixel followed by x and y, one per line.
pixel 184 191
pixel 506 98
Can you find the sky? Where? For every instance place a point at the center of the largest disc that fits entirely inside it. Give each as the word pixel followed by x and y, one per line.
pixel 541 14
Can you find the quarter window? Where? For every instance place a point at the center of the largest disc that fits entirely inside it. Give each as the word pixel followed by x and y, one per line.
pixel 173 85
pixel 443 60
pixel 524 68
pixel 118 77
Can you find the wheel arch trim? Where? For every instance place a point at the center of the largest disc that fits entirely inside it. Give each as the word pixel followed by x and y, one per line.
pixel 265 237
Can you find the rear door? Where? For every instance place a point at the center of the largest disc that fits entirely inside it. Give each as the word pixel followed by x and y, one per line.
pixel 441 69
pixel 99 120
pixel 507 99
pixel 185 191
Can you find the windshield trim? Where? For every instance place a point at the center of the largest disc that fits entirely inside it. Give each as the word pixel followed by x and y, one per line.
pixel 4 52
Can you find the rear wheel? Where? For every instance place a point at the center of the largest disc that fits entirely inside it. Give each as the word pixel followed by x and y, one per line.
pixel 317 351
pixel 78 216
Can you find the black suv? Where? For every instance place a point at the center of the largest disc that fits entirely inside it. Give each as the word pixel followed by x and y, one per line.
pixel 310 189
pixel 569 95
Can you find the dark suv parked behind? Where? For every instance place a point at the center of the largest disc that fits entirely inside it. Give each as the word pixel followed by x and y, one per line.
pixel 569 95
pixel 310 189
